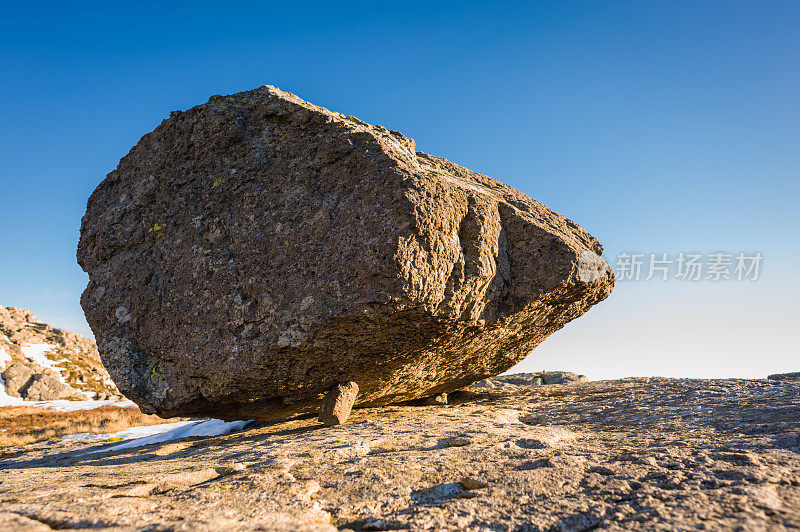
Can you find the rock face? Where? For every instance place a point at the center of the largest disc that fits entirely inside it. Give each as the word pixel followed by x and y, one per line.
pixel 256 250
pixel 39 362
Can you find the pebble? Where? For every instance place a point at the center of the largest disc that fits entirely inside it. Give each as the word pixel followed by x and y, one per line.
pixel 230 469
pixel 440 399
pixel 472 483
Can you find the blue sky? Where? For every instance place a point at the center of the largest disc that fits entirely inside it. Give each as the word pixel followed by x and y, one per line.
pixel 659 126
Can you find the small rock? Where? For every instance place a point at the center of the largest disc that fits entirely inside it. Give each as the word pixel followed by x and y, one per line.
pixel 458 442
pixel 305 489
pixel 440 399
pixel 230 469
pixel 601 470
pixel 337 404
pixel 448 490
pixel 738 457
pixel 350 450
pixel 787 441
pixel 472 483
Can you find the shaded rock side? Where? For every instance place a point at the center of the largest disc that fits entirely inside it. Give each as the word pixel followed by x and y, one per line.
pixel 256 250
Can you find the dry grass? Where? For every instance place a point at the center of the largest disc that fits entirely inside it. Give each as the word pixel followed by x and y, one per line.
pixel 24 424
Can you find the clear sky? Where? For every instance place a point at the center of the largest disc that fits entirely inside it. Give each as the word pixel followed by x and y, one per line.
pixel 661 127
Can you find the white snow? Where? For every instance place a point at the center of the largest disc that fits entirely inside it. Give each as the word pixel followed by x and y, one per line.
pixel 165 432
pixel 5 358
pixel 133 432
pixel 37 353
pixel 63 405
pixel 7 400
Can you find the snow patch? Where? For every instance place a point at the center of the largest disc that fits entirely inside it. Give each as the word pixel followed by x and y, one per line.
pixel 7 400
pixel 61 405
pixel 38 353
pixel 65 405
pixel 168 431
pixel 5 358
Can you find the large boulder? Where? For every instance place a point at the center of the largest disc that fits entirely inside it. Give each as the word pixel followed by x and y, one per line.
pixel 255 251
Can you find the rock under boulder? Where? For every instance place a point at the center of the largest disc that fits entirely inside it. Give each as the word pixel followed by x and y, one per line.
pixel 256 250
pixel 337 404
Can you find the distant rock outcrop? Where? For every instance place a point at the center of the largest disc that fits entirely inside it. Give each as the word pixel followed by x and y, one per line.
pixel 39 362
pixel 256 251
pixel 531 379
pixel 795 376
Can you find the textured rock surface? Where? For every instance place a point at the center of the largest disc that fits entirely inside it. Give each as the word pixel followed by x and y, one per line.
pixel 633 454
pixel 256 250
pixel 75 367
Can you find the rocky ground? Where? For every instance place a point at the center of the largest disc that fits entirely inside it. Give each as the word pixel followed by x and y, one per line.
pixel 39 362
pixel 640 453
